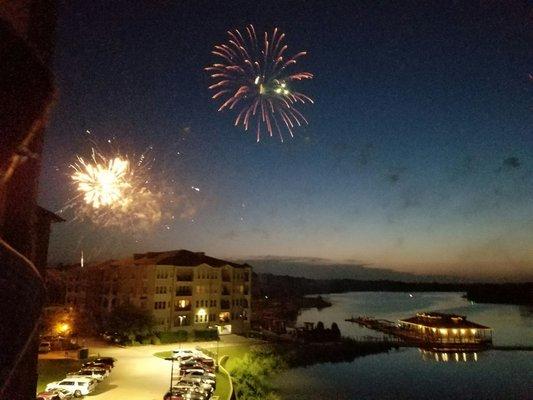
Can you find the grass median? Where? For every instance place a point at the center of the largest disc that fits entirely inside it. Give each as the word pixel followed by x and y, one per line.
pixel 55 370
pixel 234 352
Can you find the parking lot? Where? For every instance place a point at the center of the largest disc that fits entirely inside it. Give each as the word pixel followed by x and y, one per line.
pixel 138 374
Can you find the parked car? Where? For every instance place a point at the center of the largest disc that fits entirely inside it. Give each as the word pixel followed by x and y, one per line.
pixel 96 373
pixel 91 364
pixel 99 370
pixel 106 360
pixel 203 383
pixel 189 362
pixel 197 365
pixel 193 387
pixel 180 353
pixel 183 394
pixel 114 337
pixel 199 372
pixel 208 361
pixel 56 394
pixel 78 386
pixel 45 347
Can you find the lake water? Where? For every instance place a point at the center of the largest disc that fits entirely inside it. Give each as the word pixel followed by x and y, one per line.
pixel 410 373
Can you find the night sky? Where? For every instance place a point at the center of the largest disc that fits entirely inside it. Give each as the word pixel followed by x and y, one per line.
pixel 418 154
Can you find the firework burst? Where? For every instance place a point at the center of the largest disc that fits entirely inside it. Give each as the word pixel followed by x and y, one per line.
pixel 102 184
pixel 114 192
pixel 254 78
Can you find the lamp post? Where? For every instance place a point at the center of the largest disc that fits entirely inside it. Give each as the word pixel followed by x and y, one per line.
pixel 218 340
pixel 172 371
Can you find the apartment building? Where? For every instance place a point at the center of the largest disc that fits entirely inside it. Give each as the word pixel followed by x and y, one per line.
pixel 182 289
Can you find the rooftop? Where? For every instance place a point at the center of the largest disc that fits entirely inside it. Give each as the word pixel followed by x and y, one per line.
pixel 441 320
pixel 182 258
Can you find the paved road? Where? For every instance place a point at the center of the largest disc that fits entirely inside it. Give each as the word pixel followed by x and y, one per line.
pixel 138 375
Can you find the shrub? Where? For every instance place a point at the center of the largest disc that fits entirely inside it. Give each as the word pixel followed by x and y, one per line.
pixel 146 340
pixel 203 335
pixel 173 337
pixel 155 340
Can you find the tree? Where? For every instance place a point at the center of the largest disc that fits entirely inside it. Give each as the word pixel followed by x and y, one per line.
pixel 319 327
pixel 335 331
pixel 252 375
pixel 129 321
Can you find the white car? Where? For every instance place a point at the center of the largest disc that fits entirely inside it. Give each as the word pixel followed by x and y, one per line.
pixel 45 347
pixel 78 386
pixel 199 372
pixel 95 373
pixel 180 353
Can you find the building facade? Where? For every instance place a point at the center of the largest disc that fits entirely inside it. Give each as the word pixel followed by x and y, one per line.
pixel 182 289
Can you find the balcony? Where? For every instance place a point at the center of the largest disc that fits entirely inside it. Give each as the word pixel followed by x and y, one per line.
pixel 225 291
pixel 182 320
pixel 224 305
pixel 184 278
pixel 179 309
pixel 184 292
pixel 226 277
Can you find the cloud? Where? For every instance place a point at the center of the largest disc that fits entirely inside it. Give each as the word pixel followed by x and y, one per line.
pixel 319 268
pixel 511 163
pixel 393 175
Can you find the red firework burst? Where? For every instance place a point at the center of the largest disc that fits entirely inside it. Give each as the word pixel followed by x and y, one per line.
pixel 253 77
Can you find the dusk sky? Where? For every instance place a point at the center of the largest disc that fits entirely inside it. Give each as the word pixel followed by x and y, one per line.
pixel 418 155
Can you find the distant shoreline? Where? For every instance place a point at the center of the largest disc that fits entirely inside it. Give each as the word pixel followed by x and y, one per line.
pixel 282 286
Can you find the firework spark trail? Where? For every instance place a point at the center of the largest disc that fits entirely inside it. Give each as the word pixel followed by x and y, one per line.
pixel 252 76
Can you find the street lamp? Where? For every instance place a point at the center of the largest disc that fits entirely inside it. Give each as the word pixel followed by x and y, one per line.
pixel 172 370
pixel 218 340
pixel 62 328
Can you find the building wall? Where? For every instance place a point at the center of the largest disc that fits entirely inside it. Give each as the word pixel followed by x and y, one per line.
pixel 179 297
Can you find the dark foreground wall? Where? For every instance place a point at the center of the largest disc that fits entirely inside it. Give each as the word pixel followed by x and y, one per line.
pixel 27 29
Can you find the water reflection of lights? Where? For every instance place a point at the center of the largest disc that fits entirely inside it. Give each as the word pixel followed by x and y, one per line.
pixel 450 356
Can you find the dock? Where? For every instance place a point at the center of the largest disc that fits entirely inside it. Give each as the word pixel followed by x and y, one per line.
pixel 380 325
pixel 423 337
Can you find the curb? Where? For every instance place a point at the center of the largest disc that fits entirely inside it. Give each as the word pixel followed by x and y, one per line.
pixel 225 371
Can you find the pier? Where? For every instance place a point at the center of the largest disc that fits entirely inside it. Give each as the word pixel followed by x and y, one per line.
pixel 385 326
pixel 436 331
